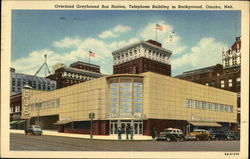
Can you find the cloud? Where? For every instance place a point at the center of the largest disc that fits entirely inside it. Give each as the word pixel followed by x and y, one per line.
pixel 168 36
pixel 206 52
pixel 121 29
pixel 115 32
pixel 107 34
pixel 67 42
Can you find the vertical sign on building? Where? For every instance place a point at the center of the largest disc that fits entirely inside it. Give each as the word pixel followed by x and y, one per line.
pixel 26 104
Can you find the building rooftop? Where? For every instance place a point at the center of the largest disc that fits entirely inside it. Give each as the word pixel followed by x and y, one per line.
pixel 83 63
pixel 76 70
pixel 199 71
pixel 32 77
pixel 145 43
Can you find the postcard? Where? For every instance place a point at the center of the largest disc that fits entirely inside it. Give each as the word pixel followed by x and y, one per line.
pixel 124 79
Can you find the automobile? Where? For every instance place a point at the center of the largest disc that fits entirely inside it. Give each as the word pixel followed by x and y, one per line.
pixel 33 130
pixel 233 135
pixel 171 134
pixel 218 135
pixel 199 134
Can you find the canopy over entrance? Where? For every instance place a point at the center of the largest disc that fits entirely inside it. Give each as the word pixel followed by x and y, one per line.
pixel 61 122
pixel 205 124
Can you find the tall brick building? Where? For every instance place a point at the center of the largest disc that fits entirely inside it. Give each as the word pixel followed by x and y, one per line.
pixel 141 57
pixel 77 72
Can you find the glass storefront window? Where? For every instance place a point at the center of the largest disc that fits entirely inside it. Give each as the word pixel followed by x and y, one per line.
pixel 126 96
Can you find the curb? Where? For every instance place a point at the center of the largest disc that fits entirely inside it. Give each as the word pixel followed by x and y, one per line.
pixel 89 138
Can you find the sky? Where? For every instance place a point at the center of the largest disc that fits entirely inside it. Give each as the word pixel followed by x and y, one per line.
pixel 67 36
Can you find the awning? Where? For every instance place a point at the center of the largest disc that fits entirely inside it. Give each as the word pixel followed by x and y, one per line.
pixel 13 122
pixel 20 121
pixel 62 122
pixel 205 124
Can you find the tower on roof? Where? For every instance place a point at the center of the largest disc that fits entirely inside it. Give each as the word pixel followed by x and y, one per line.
pixel 141 57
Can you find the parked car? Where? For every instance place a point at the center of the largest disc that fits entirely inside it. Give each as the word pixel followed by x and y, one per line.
pixel 218 135
pixel 232 135
pixel 199 134
pixel 34 130
pixel 171 134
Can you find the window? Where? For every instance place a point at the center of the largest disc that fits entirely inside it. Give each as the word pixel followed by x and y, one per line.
pixel 196 104
pixel 215 106
pixel 238 81
pixel 189 103
pixel 213 84
pixel 203 105
pixel 13 81
pixel 222 84
pixel 230 108
pixel 209 106
pixel 225 108
pixel 230 82
pixel 221 107
pixel 234 61
pixel 226 62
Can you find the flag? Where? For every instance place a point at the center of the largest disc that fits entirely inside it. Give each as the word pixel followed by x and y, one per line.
pixel 159 27
pixel 91 54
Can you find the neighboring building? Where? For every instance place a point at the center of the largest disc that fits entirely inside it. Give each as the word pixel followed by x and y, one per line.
pixel 19 80
pixel 15 112
pixel 144 101
pixel 57 66
pixel 76 73
pixel 226 76
pixel 214 76
pixel 232 57
pixel 141 57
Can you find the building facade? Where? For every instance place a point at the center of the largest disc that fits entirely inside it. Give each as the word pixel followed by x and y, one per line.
pixel 232 56
pixel 143 101
pixel 142 57
pixel 20 80
pixel 77 72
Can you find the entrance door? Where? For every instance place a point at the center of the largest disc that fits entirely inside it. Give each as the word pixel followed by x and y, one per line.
pixel 113 127
pixel 124 125
pixel 138 127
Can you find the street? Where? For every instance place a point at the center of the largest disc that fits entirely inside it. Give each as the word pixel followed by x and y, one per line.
pixel 55 143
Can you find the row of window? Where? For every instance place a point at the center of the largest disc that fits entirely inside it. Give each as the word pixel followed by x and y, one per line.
pixel 190 103
pixel 160 59
pixel 17 84
pixel 234 61
pixel 222 83
pixel 15 109
pixel 54 103
pixel 77 76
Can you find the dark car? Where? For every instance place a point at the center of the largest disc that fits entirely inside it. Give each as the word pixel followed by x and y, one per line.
pixel 232 135
pixel 171 134
pixel 34 130
pixel 219 135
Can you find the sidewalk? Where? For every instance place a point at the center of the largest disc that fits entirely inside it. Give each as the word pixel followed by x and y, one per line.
pixel 85 136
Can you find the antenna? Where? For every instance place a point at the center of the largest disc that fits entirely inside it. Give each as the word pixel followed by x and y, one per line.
pixel 43 65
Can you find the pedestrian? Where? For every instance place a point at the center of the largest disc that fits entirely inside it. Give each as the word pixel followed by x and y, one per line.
pixel 154 134
pixel 119 133
pixel 127 131
pixel 131 133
